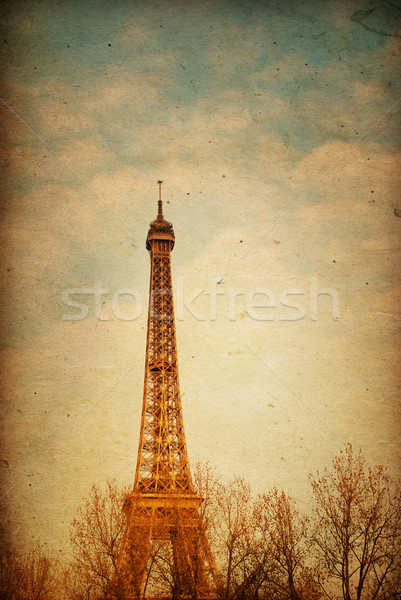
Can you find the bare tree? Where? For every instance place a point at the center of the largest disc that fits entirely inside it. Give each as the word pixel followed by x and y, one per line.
pixel 283 549
pixel 260 544
pixel 34 575
pixel 73 585
pixel 208 484
pixel 228 514
pixel 96 535
pixel 357 532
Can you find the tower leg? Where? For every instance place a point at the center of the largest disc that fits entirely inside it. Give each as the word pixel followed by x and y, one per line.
pixel 134 558
pixel 165 552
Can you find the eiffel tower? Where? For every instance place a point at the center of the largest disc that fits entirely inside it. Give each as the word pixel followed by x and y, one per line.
pixel 165 553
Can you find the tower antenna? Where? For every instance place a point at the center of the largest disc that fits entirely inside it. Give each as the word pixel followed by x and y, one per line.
pixel 160 203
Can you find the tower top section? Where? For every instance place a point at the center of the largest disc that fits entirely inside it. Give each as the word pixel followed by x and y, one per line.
pixel 160 230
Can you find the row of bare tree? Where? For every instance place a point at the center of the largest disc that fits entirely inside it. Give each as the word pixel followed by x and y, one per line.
pixel 348 548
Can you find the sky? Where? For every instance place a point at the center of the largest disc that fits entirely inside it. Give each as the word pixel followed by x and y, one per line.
pixel 275 129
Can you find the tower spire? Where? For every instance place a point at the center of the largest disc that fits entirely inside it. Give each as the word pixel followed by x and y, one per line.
pixel 160 203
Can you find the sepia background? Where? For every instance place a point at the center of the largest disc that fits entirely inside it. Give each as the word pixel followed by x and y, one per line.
pixel 275 128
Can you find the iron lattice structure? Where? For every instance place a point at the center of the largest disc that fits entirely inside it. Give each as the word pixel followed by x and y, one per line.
pixel 164 523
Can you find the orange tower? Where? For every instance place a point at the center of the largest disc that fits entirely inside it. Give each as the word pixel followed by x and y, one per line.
pixel 165 552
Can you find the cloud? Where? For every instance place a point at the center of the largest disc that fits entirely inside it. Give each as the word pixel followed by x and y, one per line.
pixel 368 91
pixel 121 186
pixel 52 240
pixel 346 198
pixel 85 156
pixel 355 167
pixel 138 34
pixel 57 120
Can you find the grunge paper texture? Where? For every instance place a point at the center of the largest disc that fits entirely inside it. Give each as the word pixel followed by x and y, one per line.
pixel 275 128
